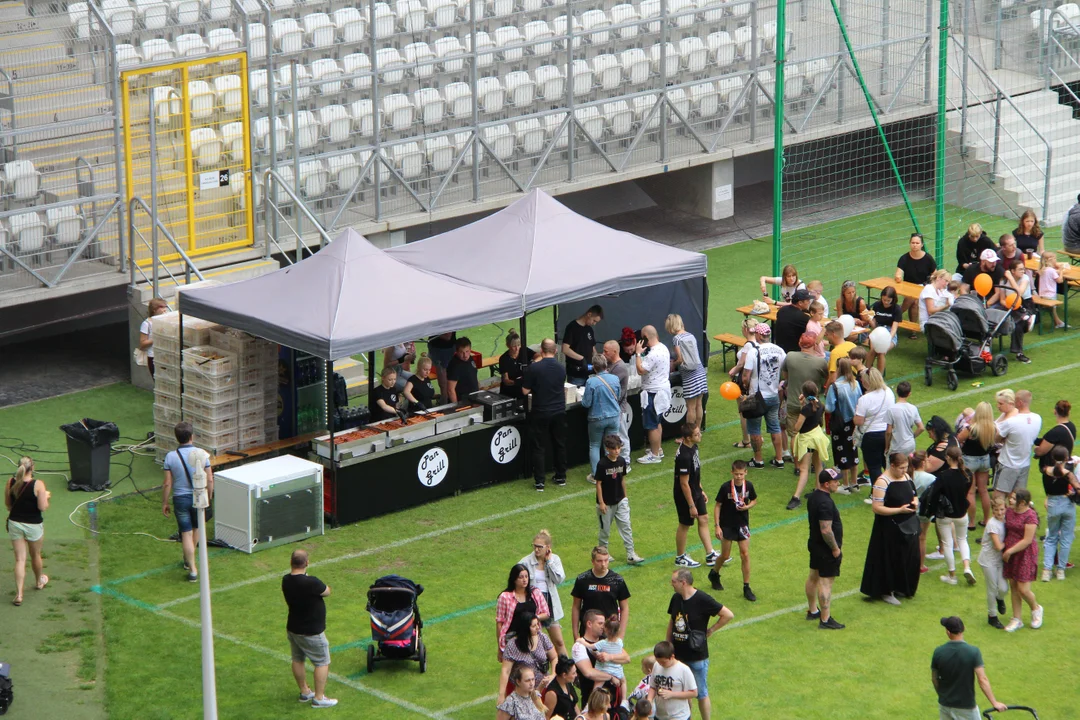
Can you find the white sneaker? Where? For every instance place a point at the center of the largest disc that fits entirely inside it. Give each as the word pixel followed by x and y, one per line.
pixel 591 479
pixel 629 467
pixel 935 556
pixel 1060 574
pixel 324 703
pixel 1037 618
pixel 634 559
pixel 731 560
pixel 711 558
pixel 870 501
pixel 1031 322
pixel 843 490
pixel 948 579
pixel 686 561
pixel 1046 575
pixel 1014 625
pixel 649 459
pixel 890 599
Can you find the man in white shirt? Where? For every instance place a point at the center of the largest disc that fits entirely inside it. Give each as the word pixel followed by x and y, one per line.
pixel 653 365
pixel 672 684
pixel 764 376
pixel 1017 429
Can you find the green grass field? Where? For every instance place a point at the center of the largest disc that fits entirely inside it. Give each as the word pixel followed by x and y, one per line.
pixel 769 663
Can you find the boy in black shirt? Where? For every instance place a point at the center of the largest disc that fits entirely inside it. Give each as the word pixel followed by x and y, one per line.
pixel 612 505
pixel 690 501
pixel 461 378
pixel 732 519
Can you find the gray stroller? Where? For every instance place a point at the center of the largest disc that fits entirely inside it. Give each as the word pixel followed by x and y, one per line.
pixel 962 340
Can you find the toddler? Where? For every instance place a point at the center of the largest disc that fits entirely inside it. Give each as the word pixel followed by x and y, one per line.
pixel 613 645
pixel 953 289
pixel 639 697
pixel 1049 277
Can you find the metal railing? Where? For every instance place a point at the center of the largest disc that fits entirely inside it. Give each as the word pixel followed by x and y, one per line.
pixel 152 245
pixel 1057 51
pixel 269 178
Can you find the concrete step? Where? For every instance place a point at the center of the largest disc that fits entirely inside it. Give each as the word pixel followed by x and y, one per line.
pixel 1038 115
pixel 232 267
pixel 1060 137
pixel 61 106
pixel 355 374
pixel 45 58
pixel 1033 174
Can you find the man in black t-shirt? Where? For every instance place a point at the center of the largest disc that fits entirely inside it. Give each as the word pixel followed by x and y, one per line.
pixel 791 321
pixel 461 372
pixel 988 263
pixel 688 630
pixel 826 539
pixel 732 521
pixel 306 628
pixel 545 381
pixel 690 501
pixel 579 345
pixel 600 589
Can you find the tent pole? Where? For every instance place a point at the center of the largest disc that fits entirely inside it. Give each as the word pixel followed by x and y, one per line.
pixel 371 374
pixel 330 403
pixel 521 329
pixel 555 323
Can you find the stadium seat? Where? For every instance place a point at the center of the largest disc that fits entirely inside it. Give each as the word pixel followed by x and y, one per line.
pixel 649 9
pixel 343 171
pixel 682 9
pixel 232 140
pixel 411 15
pixel 607 71
pixel 202 99
pixel 721 48
pixel 409 160
pixel 157 50
pixel 590 120
pixel 153 14
pixel 794 82
pixel 190 45
pixel 451 52
pixel 22 181
pixel 205 147
pixel 420 54
pixel 458 100
pixel 531 6
pixel 119 15
pixel 257 40
pixel 127 56
pixel 350 24
pixel 530 136
pixel 357 64
pixel 285 77
pixel 558 26
pixel 500 141
pixel 398 111
pixel 257 88
pixel 491 95
pixel 262 134
pixel 485 46
pixel 740 9
pixel 618 118
pixel 306 132
pixel 679 100
pixel 693 55
pixel 219 9
pixel 550 83
pixel 288 37
pixel 765 87
pixel 521 88
pixel 79 18
pixel 595 24
pixel 743 38
pixel 288 179
pixel 625 13
pixel 552 123
pixel 1040 23
pixel 363 117
pixel 430 105
pixel 384 20
pixel 440 153
pixel 643 105
pixel 582 82
pixel 389 62
pixel 704 100
pixel 335 122
pixel 223 40
pixel 816 73
pixel 712 11
pixel 509 41
pixel 329 73
pixel 167 104
pixel 319 32
pixel 1068 22
pixel 635 64
pixel 728 90
pixel 313 178
pixel 443 13
pixel 500 8
pixel 282 5
pixel 28 232
pixel 464 10
pixel 65 225
pixel 536 31
pixel 460 141
pixel 671 67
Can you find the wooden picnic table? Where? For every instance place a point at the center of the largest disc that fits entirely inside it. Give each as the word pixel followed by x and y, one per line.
pixel 1071 276
pixel 903 288
pixel 748 310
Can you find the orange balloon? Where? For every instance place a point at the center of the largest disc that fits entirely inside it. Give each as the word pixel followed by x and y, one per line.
pixel 983 284
pixel 730 391
pixel 1012 301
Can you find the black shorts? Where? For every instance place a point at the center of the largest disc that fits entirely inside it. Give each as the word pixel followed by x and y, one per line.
pixel 683 509
pixel 826 565
pixel 735 534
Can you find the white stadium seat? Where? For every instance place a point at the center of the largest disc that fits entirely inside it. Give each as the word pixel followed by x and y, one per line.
pixel 721 48
pixel 680 101
pixel 335 122
pixel 743 42
pixel 21 179
pixel 157 50
pixel 313 178
pixel 536 31
pixel 430 105
pixel 354 64
pixel 384 20
pixel 625 13
pixel 635 64
pixel 643 105
pixel 500 141
pixel 693 54
pixel 729 89
pixel 552 123
pixel 491 95
pixel 411 15
pixel 343 171
pixel 65 225
pixel 120 16
pixel 363 116
pixel 167 104
pixel 558 26
pixel 530 136
pixel 484 48
pixel 550 83
pixel 671 67
pixel 682 6
pixel 618 117
pixel 232 140
pixel 154 14
pixel 288 37
pixel 501 8
pixel 590 120
pixel 458 100
pixel 257 88
pixel 582 82
pixel 205 147
pixel 816 73
pixel 711 10
pixel 452 54
pixel 421 55
pixel 219 9
pixel 329 72
pixel 464 10
pixel 509 40
pixel 765 85
pixel 28 232
pixel 190 45
pixel 595 23
pixel 443 12
pixel 794 81
pixel 389 62
pixel 288 180
pixel 521 88
pixel 409 160
pixel 649 9
pixel 350 24
pixel 202 99
pixel 704 101
pixel 608 72
pixel 398 111
pixel 79 18
pixel 318 30
pixel 222 40
pixel 282 5
pixel 257 40
pixel 262 134
pixel 440 153
pixel 284 82
pixel 127 56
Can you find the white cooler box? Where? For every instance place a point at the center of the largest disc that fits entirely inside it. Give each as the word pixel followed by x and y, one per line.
pixel 268 503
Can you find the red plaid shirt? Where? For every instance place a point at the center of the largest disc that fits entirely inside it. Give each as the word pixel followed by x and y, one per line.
pixel 504 611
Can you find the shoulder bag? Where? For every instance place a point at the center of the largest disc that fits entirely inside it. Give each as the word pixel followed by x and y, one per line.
pixel 860 430
pixel 753 405
pixel 613 393
pixel 908 524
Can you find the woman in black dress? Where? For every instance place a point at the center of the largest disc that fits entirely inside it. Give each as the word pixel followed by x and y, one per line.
pixel 560 697
pixel 892 557
pixel 512 364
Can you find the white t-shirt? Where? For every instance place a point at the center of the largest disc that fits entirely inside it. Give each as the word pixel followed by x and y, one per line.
pixel 940 298
pixel 823 303
pixel 1019 432
pixel 874 408
pixel 772 357
pixel 989 556
pixel 657 365
pixel 677 678
pixel 903 417
pixel 145 329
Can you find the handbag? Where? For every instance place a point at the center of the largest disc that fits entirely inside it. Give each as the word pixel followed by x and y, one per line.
pixel 690 359
pixel 752 406
pixel 140 357
pixel 698 641
pixel 908 524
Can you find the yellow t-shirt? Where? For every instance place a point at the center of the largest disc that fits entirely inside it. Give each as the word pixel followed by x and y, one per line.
pixel 840 351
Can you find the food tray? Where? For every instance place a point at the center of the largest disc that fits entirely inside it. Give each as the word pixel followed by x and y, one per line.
pixel 164 414
pixel 209 382
pixel 210 426
pixel 210 397
pixel 355 443
pixel 167 401
pixel 460 419
pixel 209 361
pixel 396 434
pixel 170 387
pixel 216 443
pixel 209 411
pixel 197 332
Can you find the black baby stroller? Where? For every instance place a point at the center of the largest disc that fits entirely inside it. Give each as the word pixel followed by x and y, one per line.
pixel 962 339
pixel 395 622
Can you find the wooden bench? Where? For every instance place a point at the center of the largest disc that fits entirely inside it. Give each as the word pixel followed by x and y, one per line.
pixel 1045 303
pixel 492 363
pixel 729 343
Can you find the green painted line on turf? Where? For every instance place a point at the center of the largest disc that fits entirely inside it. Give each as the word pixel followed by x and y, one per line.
pixel 104 590
pixel 454 615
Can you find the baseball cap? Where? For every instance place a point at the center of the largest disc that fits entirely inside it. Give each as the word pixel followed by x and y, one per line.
pixel 953 624
pixel 828 475
pixel 762 330
pixel 807 340
pixel 988 255
pixel 800 295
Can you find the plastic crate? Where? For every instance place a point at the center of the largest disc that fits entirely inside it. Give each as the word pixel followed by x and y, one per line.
pixel 249 404
pixel 209 361
pixel 167 401
pixel 166 347
pixel 252 436
pixel 231 340
pixel 216 443
pixel 251 417
pixel 166 325
pixel 271 435
pixel 210 426
pixel 166 440
pixel 210 389
pixel 166 415
pixel 169 372
pixel 163 429
pixel 252 389
pixel 161 384
pixel 210 411
pixel 197 332
pixel 261 374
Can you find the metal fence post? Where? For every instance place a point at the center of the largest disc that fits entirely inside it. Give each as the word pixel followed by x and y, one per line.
pixel 664 115
pixel 753 92
pixel 474 79
pixel 153 193
pixel 296 152
pixel 571 128
pixel 997 136
pixel 376 116
pixel 965 20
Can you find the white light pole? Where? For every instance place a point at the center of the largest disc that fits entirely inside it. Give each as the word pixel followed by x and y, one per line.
pixel 209 684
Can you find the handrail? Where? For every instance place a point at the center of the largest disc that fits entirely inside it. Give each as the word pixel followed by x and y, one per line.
pixel 189 265
pixel 1053 38
pixel 268 197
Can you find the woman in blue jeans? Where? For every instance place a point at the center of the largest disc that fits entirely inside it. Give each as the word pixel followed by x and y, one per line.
pixel 1059 482
pixel 602 399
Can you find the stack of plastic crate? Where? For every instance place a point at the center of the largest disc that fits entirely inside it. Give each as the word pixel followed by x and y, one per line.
pixel 257 385
pixel 211 391
pixel 165 332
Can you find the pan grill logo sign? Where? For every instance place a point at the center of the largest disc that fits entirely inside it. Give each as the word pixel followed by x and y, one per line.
pixel 433 467
pixel 677 411
pixel 505 444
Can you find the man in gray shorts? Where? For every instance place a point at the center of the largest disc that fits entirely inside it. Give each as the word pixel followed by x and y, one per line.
pixel 1017 429
pixel 307 628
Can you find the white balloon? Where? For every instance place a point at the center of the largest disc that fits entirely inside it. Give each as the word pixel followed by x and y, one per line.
pixel 848 322
pixel 881 340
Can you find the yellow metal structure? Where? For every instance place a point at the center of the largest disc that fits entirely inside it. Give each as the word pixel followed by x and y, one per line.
pixel 204 179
